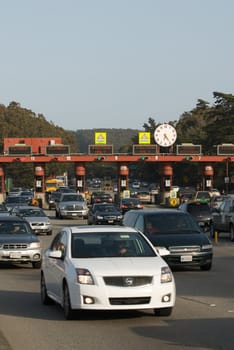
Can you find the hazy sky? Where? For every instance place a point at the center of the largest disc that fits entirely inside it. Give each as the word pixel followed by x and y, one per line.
pixel 87 64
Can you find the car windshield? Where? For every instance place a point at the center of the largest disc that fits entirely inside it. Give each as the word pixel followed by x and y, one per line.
pixel 170 224
pixel 198 209
pixel 72 197
pixel 130 201
pixel 104 208
pixel 15 200
pixel 2 207
pixel 8 228
pixel 32 212
pixel 109 244
pixel 201 195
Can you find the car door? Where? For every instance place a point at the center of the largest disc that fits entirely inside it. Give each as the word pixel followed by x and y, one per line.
pixel 55 267
pixel 226 214
pixel 222 219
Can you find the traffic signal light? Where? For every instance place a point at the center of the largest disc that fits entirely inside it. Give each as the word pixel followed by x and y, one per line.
pixel 188 158
pixel 143 158
pixel 100 158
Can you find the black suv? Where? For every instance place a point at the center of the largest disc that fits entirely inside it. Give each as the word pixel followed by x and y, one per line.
pixel 176 231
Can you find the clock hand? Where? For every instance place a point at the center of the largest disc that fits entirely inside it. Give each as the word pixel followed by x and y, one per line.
pixel 165 137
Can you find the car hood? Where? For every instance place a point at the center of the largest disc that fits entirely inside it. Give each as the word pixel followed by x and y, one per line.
pixel 187 239
pixel 36 218
pixel 121 266
pixel 18 238
pixel 72 203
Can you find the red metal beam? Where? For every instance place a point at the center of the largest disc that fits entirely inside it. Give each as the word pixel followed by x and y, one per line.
pixel 72 158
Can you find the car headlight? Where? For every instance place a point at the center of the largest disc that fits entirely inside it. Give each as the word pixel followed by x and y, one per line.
pixel 84 276
pixel 119 217
pixel 35 245
pixel 207 247
pixel 166 274
pixel 99 217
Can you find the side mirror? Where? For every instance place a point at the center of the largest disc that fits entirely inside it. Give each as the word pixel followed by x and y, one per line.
pixel 55 254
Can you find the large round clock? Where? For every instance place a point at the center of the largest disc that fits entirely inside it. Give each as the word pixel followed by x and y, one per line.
pixel 165 135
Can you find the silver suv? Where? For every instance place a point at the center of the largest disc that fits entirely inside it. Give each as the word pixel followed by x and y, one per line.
pixel 71 205
pixel 18 243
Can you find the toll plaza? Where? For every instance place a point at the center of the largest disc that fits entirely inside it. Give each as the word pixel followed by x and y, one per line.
pixel 42 151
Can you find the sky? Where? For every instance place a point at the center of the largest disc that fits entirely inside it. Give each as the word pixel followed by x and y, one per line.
pixel 96 64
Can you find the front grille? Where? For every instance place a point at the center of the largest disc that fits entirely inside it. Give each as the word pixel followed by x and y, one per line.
pixel 109 217
pixel 37 224
pixel 12 246
pixel 129 301
pixel 184 249
pixel 128 281
pixel 74 207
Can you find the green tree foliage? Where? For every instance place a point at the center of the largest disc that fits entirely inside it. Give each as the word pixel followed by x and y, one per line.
pixel 119 138
pixel 16 121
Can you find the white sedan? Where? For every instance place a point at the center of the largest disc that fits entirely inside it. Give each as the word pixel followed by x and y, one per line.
pixel 106 268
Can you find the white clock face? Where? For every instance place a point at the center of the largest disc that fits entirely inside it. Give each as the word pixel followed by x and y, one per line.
pixel 165 135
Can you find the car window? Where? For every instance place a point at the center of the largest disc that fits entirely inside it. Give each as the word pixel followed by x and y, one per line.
pixel 195 209
pixel 14 228
pixel 130 219
pixel 32 212
pixel 104 244
pixel 170 223
pixel 139 225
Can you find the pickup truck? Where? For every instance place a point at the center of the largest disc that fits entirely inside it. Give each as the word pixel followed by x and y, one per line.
pixel 223 218
pixel 71 205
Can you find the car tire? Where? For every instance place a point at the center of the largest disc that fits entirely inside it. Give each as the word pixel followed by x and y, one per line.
pixel 68 312
pixel 164 312
pixel 206 267
pixel 45 299
pixel 231 233
pixel 36 264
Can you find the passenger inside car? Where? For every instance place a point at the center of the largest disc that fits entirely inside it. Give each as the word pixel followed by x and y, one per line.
pixel 151 228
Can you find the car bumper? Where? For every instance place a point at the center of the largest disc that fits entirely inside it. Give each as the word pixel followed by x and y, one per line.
pixel 41 229
pixel 122 298
pixel 72 214
pixel 108 222
pixel 16 255
pixel 174 260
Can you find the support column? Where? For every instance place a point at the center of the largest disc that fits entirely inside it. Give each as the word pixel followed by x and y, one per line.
pixel 123 178
pixel 80 172
pixel 166 181
pixel 208 178
pixel 39 184
pixel 2 184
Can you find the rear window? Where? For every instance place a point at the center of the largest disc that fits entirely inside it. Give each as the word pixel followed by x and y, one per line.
pixel 170 223
pixel 198 208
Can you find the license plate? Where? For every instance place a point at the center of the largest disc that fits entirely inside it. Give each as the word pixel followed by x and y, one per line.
pixel 74 214
pixel 15 255
pixel 110 221
pixel 184 258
